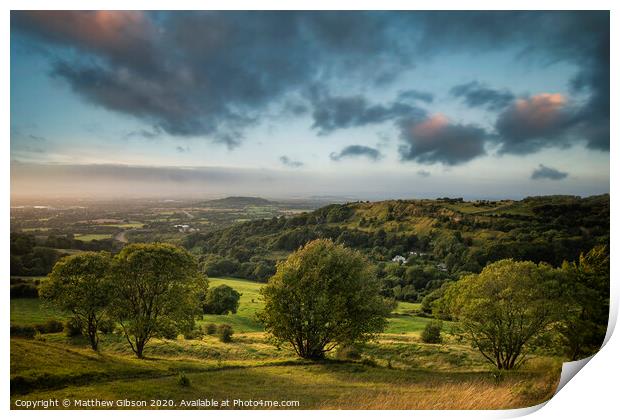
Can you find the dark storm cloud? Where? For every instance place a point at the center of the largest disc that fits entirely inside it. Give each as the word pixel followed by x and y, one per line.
pixel 437 140
pixel 475 94
pixel 544 172
pixel 531 124
pixel 580 38
pixel 356 150
pixel 211 73
pixel 215 74
pixel 291 163
pixel 125 38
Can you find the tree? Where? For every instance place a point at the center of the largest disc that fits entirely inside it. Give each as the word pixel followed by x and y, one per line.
pixel 216 265
pixel 587 293
pixel 79 284
pixel 323 295
pixel 506 308
pixel 221 300
pixel 157 289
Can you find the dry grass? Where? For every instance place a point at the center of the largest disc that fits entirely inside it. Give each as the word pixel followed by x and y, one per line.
pixel 471 395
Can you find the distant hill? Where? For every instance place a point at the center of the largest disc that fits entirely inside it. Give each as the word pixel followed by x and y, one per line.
pixel 441 239
pixel 239 202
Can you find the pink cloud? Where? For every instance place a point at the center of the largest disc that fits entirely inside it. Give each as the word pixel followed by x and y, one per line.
pixel 104 30
pixel 530 124
pixel 540 111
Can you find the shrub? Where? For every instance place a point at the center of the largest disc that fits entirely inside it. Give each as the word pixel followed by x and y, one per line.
pixel 432 332
pixel 73 327
pixel 225 333
pixel 210 328
pixel 51 326
pixel 221 300
pixel 54 326
pixel 368 361
pixel 169 332
pixel 24 290
pixel 194 334
pixel 25 331
pixel 183 380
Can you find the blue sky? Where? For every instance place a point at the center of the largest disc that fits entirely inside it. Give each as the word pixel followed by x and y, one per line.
pixel 368 105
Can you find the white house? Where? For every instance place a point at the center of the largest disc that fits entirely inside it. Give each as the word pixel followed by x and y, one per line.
pixel 399 259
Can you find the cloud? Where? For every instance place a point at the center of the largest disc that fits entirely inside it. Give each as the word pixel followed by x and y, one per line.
pixel 533 123
pixel 211 74
pixel 437 140
pixel 416 95
pixel 357 150
pixel 545 172
pixel 338 112
pixel 27 142
pixel 217 74
pixel 423 173
pixel 147 134
pixel 579 38
pixel 291 163
pixel 475 94
pixel 182 149
pixel 123 37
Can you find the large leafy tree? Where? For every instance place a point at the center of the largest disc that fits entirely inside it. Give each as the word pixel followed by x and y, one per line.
pixel 157 292
pixel 323 295
pixel 79 284
pixel 587 293
pixel 506 308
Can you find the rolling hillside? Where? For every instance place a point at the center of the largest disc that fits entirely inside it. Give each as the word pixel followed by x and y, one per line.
pixel 440 239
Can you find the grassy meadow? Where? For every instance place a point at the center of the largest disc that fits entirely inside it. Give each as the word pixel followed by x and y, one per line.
pixel 394 371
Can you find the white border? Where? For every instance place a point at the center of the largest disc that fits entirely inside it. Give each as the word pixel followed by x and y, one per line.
pixel 594 391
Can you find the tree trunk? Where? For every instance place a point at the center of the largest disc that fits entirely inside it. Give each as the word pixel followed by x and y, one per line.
pixel 140 349
pixel 92 335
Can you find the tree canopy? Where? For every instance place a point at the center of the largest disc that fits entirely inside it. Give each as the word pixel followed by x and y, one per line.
pixel 323 295
pixel 587 291
pixel 157 292
pixel 79 284
pixel 506 308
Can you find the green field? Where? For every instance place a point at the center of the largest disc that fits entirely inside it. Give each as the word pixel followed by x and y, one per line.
pixel 41 229
pixel 396 370
pixel 130 225
pixel 86 237
pixel 243 320
pixel 31 311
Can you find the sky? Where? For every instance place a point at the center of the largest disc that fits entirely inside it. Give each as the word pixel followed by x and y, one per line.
pixel 369 105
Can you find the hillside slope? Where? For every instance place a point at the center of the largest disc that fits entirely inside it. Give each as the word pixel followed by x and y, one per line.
pixel 439 239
